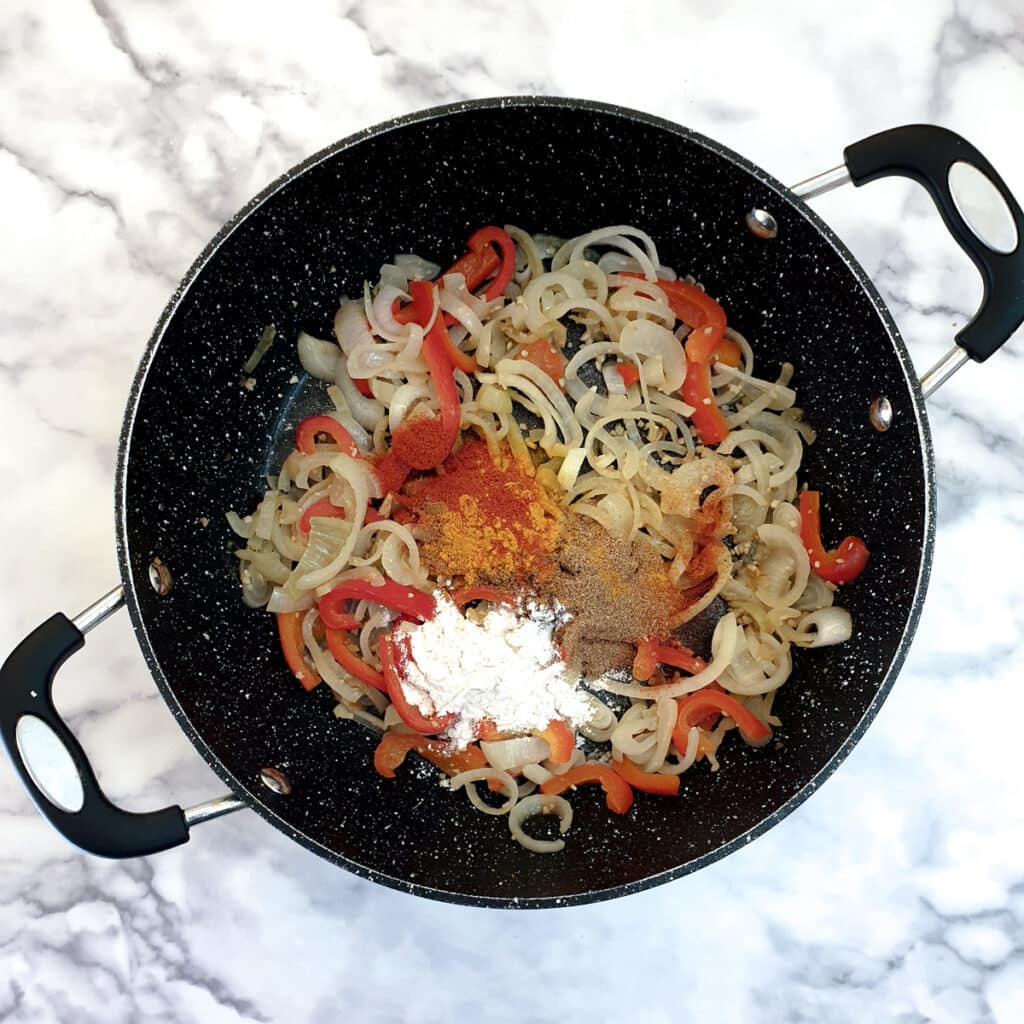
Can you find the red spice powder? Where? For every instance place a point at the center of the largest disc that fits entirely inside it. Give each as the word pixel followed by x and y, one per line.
pixel 420 441
pixel 485 518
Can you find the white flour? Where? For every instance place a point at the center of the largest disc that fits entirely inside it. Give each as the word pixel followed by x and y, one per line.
pixel 505 668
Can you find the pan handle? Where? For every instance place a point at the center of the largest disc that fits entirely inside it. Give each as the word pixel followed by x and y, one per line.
pixel 52 763
pixel 948 166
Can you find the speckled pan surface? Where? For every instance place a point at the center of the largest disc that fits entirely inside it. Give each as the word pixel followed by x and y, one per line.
pixel 196 443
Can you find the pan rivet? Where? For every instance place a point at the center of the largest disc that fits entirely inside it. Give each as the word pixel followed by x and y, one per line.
pixel 880 414
pixel 276 781
pixel 160 577
pixel 762 223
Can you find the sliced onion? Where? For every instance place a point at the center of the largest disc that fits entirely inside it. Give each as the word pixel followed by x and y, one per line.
pixel 687 757
pixel 824 627
pixel 651 340
pixel 474 775
pixel 328 537
pixel 366 411
pixel 318 357
pixel 416 267
pixel 536 773
pixel 239 525
pixel 280 602
pixel 540 803
pixel 667 710
pixel 514 753
pixel 266 563
pixel 255 588
pixel 351 328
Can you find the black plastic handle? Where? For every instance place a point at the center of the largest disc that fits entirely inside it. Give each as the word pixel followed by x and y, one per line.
pixel 926 153
pixel 100 827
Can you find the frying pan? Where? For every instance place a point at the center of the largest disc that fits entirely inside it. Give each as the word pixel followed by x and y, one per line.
pixel 195 443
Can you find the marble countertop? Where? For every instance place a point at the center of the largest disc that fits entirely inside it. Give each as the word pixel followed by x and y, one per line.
pixel 130 131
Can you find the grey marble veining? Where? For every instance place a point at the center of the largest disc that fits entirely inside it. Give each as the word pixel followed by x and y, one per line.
pixel 129 132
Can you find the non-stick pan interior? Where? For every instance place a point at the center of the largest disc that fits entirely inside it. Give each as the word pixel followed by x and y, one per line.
pixel 198 443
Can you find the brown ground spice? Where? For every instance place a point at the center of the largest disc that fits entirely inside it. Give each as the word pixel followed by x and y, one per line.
pixel 617 591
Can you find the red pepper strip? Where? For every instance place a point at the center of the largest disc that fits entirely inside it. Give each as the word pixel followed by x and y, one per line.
pixel 699 312
pixel 560 739
pixel 840 565
pixel 289 629
pixel 363 386
pixel 728 352
pixel 646 782
pixel 344 623
pixel 406 445
pixel 326 509
pixel 395 596
pixel 706 416
pixel 618 795
pixel 483 237
pixel 629 372
pixel 698 705
pixel 487 730
pixel 706 320
pixel 338 643
pixel 394 746
pixel 475 267
pixel 459 359
pixel 306 431
pixel 543 354
pixel 650 653
pixel 460 598
pixel 394 653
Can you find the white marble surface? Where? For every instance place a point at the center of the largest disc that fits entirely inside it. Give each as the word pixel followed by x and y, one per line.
pixel 128 132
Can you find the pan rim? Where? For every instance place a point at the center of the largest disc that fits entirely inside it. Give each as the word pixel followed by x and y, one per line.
pixel 244 791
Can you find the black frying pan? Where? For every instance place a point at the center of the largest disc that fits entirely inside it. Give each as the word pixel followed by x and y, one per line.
pixel 196 443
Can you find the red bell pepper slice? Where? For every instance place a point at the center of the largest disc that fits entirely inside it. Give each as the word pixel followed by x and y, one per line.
pixel 459 359
pixel 395 596
pixel 629 372
pixel 696 706
pixel 840 565
pixel 339 644
pixel 706 341
pixel 460 598
pixel 306 431
pixel 546 357
pixel 491 235
pixel 394 654
pixel 393 747
pixel 486 730
pixel 618 794
pixel 560 739
pixel 289 629
pixel 701 313
pixel 647 782
pixel 650 653
pixel 407 440
pixel 707 418
pixel 362 385
pixel 475 267
pixel 324 508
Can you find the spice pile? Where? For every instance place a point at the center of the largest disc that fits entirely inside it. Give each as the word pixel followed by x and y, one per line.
pixel 485 519
pixel 617 592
